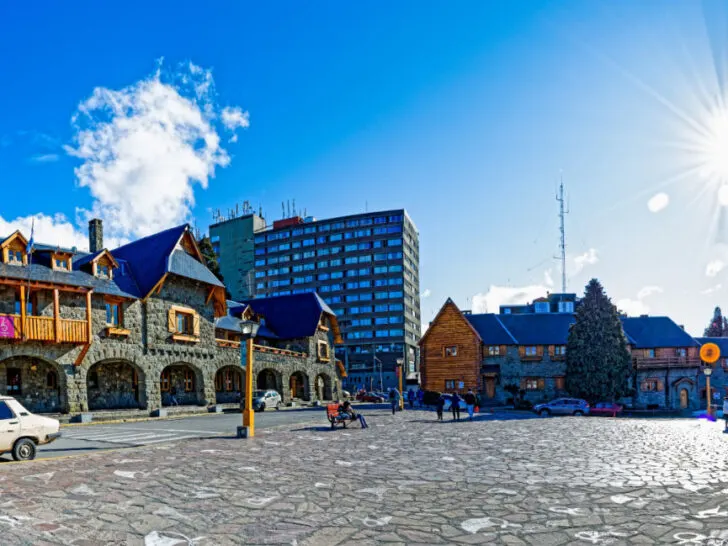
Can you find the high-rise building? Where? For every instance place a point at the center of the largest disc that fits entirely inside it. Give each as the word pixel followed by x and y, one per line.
pixel 365 266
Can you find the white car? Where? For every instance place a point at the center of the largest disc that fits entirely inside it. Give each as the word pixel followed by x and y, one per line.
pixel 21 431
pixel 266 399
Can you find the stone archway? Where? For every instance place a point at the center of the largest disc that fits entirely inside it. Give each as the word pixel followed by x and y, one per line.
pixel 115 384
pixel 228 385
pixel 38 384
pixel 181 384
pixel 323 387
pixel 270 379
pixel 299 386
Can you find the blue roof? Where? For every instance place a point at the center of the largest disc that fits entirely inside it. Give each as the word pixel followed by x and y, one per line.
pixel 491 329
pixel 184 265
pixel 648 332
pixel 539 328
pixel 288 317
pixel 721 342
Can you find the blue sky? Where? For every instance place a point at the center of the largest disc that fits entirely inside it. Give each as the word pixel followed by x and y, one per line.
pixel 465 114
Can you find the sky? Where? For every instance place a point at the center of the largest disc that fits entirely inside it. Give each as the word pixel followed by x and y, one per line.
pixel 466 114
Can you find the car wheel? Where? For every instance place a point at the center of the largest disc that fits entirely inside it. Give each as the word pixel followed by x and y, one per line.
pixel 24 450
pixel 262 407
pixel 578 413
pixel 279 406
pixel 544 413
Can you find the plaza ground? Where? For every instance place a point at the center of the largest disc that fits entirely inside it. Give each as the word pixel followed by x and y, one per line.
pixel 405 480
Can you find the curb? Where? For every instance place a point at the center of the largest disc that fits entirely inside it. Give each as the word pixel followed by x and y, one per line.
pixel 139 420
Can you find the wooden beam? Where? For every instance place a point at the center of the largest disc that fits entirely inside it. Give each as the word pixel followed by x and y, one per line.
pixel 89 316
pixel 22 311
pixel 209 296
pixel 42 285
pixel 56 316
pixel 82 355
pixel 156 287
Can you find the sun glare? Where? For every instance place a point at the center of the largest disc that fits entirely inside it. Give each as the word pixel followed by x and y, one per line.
pixel 716 149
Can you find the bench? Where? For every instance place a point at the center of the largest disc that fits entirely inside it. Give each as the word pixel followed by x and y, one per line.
pixel 332 413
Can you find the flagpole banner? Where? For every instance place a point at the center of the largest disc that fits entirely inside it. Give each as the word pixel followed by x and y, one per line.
pixel 7 327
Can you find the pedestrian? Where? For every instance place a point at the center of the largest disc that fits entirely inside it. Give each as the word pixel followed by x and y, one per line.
pixel 173 397
pixel 420 397
pixel 440 406
pixel 411 398
pixel 455 407
pixel 725 414
pixel 470 403
pixel 394 399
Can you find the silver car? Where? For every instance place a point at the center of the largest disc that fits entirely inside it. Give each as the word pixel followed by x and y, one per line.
pixel 266 399
pixel 563 406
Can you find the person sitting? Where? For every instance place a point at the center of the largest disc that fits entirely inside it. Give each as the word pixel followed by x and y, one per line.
pixel 346 411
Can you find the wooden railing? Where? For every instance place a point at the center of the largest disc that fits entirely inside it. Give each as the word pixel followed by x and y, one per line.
pixel 277 351
pixel 666 362
pixel 43 329
pixel 229 343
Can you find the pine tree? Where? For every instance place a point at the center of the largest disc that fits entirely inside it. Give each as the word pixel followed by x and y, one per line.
pixel 718 325
pixel 598 364
pixel 208 253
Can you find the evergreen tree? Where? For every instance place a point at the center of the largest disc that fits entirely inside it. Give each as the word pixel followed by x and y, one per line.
pixel 208 253
pixel 598 364
pixel 718 325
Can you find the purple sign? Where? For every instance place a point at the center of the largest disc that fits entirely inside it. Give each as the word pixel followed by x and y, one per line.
pixel 7 326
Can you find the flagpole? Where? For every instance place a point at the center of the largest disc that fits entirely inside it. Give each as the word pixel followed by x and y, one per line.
pixel 29 252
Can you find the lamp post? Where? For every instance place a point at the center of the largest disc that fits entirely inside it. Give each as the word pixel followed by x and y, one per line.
pixel 249 330
pixel 707 371
pixel 400 362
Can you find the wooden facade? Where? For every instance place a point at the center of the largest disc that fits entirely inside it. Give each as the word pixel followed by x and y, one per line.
pixel 451 353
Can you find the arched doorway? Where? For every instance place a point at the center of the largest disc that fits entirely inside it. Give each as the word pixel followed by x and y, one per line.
pixel 684 399
pixel 298 384
pixel 324 388
pixel 228 385
pixel 115 384
pixel 36 383
pixel 180 385
pixel 269 379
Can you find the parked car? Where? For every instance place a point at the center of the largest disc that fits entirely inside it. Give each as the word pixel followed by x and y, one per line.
pixel 21 431
pixel 266 399
pixel 370 397
pixel 606 408
pixel 563 406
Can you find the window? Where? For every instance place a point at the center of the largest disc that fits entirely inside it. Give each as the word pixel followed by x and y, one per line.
pixel 449 384
pixel 261 274
pixel 337 275
pixel 350 248
pixel 260 251
pixel 349 235
pixel 323 264
pixel 309 229
pixel 189 381
pixel 541 307
pixel 323 351
pixel 164 381
pixel 260 238
pixel 324 276
pixel 335 237
pixel 61 263
pixel 395 268
pixel 351 273
pixel 352 285
pixel 336 263
pixel 382 333
pixel 5 412
pixel 380 282
pixel 380 269
pixel 451 350
pixel 532 383
pixel 396 281
pixel 365 284
pixel 380 257
pixel 366 296
pixel 297 231
pixel 566 307
pixel 650 353
pixel 51 380
pixel 681 352
pixel 103 271
pixel 322 252
pixel 259 263
pixel 284 246
pixel 396 294
pixel 308 242
pixel 651 385
pixel 184 323
pixel 309 254
pixel 113 314
pixel 324 227
pixel 15 257
pixel 560 350
pixel 494 350
pixel 14 383
pixel 394 242
pixel 559 383
pixel 381 320
pixel 531 350
pixel 380 295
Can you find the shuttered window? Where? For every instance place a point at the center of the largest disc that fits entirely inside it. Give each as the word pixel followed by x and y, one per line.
pixel 164 381
pixel 189 380
pixel 183 321
pixel 651 385
pixel 533 383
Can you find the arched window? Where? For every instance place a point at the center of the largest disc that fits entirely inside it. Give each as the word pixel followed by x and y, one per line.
pixel 52 380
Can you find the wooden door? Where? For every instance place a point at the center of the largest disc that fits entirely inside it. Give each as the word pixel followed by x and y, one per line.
pixel 490 387
pixel 683 398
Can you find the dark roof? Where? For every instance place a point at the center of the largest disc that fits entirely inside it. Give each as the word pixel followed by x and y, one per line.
pixel 184 265
pixel 287 317
pixel 80 260
pixel 648 332
pixel 491 329
pixel 539 328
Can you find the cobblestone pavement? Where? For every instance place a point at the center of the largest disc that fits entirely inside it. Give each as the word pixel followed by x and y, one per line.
pixel 405 480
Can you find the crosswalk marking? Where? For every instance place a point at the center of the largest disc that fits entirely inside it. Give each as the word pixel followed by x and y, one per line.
pixel 134 435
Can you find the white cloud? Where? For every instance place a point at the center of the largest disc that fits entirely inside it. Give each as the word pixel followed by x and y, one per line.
pixel 638 306
pixel 580 262
pixel 496 296
pixel 51 230
pixel 714 267
pixel 548 280
pixel 426 294
pixel 712 289
pixel 145 147
pixel 45 158
pixel 658 202
pixel 232 118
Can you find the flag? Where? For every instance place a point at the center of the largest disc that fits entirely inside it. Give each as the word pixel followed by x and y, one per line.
pixel 29 248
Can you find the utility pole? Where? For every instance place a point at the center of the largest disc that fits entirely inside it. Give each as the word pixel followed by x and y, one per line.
pixel 562 246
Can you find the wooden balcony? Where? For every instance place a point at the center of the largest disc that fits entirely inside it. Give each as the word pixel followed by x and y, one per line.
pixel 31 328
pixel 666 362
pixel 228 343
pixel 277 351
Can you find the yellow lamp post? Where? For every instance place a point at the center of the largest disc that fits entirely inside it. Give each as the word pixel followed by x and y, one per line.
pixel 707 372
pixel 249 330
pixel 400 369
pixel 709 353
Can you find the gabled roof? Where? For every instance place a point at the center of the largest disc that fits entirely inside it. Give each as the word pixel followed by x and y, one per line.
pixel 491 329
pixel 448 302
pixel 539 328
pixel 650 332
pixel 289 317
pixel 184 265
pixel 90 258
pixel 15 235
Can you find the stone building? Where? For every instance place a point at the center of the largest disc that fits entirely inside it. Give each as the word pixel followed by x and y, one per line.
pixel 526 351
pixel 130 328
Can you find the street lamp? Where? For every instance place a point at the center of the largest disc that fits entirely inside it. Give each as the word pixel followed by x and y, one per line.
pixel 248 329
pixel 400 362
pixel 707 371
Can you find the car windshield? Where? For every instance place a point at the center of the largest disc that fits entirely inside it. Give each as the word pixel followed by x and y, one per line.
pixel 258 394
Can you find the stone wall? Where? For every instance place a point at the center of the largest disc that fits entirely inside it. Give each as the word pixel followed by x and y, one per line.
pixel 38 392
pixel 512 371
pixel 115 384
pixel 672 381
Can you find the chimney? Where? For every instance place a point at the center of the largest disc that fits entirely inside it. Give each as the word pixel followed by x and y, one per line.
pixel 95 235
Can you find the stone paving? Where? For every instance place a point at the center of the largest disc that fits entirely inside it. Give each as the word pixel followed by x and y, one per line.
pixel 405 480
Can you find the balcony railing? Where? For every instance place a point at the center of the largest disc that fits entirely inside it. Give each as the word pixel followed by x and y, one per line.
pixel 666 362
pixel 228 343
pixel 277 351
pixel 43 329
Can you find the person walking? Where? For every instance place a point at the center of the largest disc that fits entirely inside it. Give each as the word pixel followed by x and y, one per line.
pixel 420 398
pixel 441 406
pixel 411 398
pixel 470 403
pixel 455 407
pixel 394 399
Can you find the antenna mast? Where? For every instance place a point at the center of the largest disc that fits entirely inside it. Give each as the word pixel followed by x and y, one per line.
pixel 562 246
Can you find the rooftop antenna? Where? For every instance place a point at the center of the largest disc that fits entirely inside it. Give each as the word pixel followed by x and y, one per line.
pixel 562 230
pixel 294 207
pixel 283 208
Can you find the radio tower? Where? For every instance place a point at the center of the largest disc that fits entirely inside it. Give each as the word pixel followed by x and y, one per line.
pixel 562 246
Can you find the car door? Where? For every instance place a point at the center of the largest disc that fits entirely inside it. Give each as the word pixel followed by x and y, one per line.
pixel 9 427
pixel 561 407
